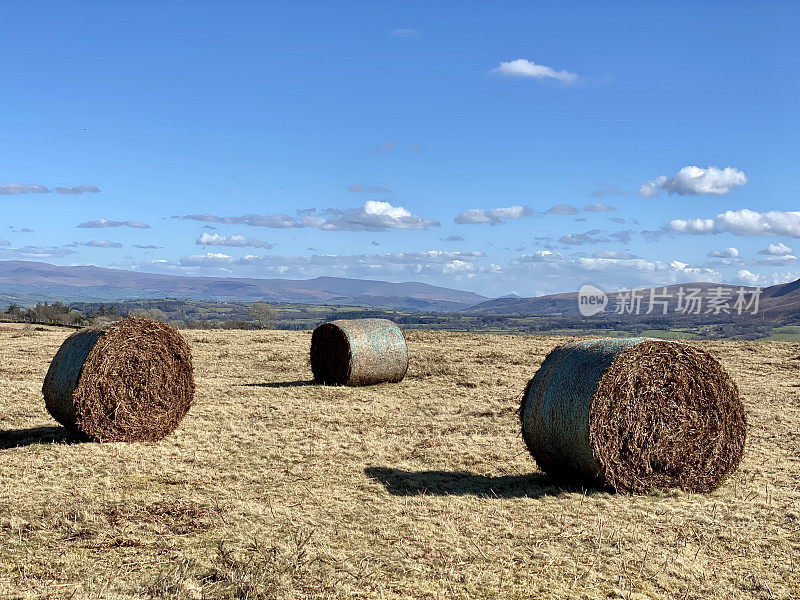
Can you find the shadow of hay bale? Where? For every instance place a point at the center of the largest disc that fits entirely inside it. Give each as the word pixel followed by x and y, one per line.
pixel 462 483
pixel 279 384
pixel 18 438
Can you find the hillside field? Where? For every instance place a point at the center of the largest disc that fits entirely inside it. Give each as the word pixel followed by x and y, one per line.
pixel 277 488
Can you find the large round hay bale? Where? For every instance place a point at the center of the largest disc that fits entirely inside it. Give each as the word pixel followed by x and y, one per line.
pixel 131 380
pixel 634 415
pixel 358 352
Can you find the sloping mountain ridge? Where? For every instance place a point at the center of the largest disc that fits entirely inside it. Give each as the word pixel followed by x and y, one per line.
pixel 43 281
pixel 776 303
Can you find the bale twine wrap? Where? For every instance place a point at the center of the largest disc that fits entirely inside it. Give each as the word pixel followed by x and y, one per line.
pixel 358 352
pixel 634 415
pixel 132 380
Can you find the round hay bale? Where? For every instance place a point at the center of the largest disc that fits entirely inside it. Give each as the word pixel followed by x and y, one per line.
pixel 634 415
pixel 358 352
pixel 131 380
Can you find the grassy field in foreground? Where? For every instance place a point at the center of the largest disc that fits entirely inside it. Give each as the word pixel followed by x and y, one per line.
pixel 276 488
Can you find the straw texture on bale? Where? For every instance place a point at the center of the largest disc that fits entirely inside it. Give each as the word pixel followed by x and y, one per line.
pixel 358 352
pixel 634 415
pixel 131 380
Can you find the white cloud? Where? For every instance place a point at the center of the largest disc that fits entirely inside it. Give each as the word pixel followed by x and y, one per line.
pixel 493 216
pixel 102 222
pixel 77 189
pixel 278 221
pixel 8 189
pixel 386 147
pixel 729 252
pixel 748 277
pixel 34 252
pixel 103 244
pixel 779 249
pixel 541 256
pixel 693 180
pixel 372 216
pixel 238 241
pixel 522 67
pixel 459 265
pixel 694 226
pixel 743 222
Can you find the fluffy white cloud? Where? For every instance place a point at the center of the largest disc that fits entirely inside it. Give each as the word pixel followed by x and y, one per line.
pixel 238 241
pixel 493 216
pixel 694 226
pixel 743 222
pixel 102 223
pixel 522 67
pixel 8 189
pixel 779 249
pixel 103 244
pixel 372 216
pixel 729 252
pixel 748 277
pixel 693 180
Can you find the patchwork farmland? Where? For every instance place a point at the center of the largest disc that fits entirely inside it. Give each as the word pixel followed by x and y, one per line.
pixel 273 487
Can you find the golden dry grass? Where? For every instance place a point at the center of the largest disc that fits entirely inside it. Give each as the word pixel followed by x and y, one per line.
pixel 276 488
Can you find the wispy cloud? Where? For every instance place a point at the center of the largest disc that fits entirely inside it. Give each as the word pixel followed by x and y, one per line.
pixel 34 252
pixel 78 189
pixel 238 241
pixel 386 147
pixel 102 244
pixel 522 67
pixel 103 222
pixel 607 190
pixel 373 215
pixel 369 189
pixel 562 209
pixel 693 180
pixel 10 189
pixel 492 216
pixel 278 221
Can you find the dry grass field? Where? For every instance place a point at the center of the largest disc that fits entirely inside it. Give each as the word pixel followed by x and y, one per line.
pixel 276 488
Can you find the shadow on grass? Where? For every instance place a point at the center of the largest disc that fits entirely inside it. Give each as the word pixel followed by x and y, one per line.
pixel 17 438
pixel 280 384
pixel 461 483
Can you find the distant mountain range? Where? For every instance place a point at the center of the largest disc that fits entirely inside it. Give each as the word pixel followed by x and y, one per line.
pixel 777 303
pixel 29 282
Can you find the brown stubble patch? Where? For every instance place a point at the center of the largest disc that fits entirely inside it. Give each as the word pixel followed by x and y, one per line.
pixel 285 465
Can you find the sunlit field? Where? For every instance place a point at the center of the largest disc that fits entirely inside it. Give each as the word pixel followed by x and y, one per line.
pixel 277 488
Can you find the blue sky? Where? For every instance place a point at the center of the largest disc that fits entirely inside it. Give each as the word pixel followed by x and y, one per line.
pixel 455 143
